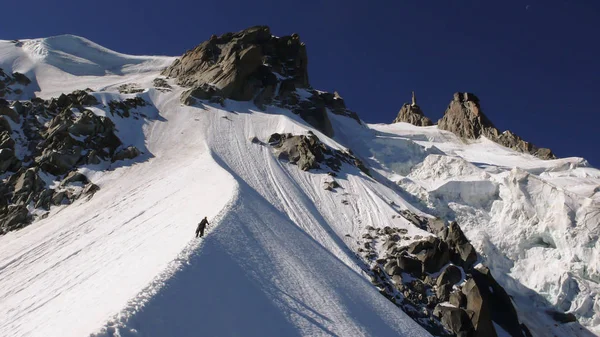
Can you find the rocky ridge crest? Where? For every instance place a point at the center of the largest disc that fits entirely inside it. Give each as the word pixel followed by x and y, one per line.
pixel 465 118
pixel 253 65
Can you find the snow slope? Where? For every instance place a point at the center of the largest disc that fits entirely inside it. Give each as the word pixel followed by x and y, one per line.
pixel 280 254
pixel 273 254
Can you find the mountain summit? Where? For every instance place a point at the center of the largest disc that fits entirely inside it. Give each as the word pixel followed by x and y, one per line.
pixel 254 65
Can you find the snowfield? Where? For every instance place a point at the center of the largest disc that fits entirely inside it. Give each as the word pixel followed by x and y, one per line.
pixel 280 254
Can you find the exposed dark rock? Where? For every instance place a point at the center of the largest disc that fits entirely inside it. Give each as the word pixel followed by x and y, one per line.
pixel 308 152
pixel 443 292
pixel 497 300
pixel 412 113
pixel 410 265
pixel 73 177
pixel 161 84
pixel 465 118
pixel 21 79
pixel 478 302
pixel 238 64
pixel 88 124
pixel 562 317
pixel 331 185
pixel 462 252
pixel 129 152
pixel 123 108
pixel 456 320
pixel 26 186
pixel 13 217
pixel 8 160
pixel 9 83
pixel 392 268
pixel 254 65
pixel 451 275
pixel 56 139
pixel 10 113
pixel 458 299
pixel 202 91
pixel 6 142
pixel 90 189
pixel 45 199
pixel 60 156
pixel 432 252
pixel 4 125
pixel 130 88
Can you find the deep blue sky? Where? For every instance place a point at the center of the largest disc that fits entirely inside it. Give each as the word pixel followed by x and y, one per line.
pixel 534 64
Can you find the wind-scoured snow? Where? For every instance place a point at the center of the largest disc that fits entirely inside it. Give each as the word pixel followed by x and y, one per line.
pixel 279 257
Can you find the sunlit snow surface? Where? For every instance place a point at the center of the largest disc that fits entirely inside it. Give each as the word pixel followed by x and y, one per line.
pixel 279 257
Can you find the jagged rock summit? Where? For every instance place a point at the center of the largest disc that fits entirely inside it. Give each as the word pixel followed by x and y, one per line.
pixel 412 113
pixel 238 64
pixel 465 118
pixel 254 65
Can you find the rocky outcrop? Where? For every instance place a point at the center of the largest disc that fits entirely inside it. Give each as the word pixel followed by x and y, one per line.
pixel 465 118
pixel 308 152
pixel 437 282
pixel 254 65
pixel 12 84
pixel 240 64
pixel 54 137
pixel 162 85
pixel 412 113
pixel 129 152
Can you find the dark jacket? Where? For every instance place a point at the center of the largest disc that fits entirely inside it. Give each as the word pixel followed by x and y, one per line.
pixel 202 224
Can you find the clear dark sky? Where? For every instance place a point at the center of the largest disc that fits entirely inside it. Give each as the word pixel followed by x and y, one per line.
pixel 534 64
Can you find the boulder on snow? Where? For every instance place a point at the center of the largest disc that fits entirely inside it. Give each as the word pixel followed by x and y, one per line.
pixel 331 185
pixel 73 177
pixel 129 152
pixel 308 152
pixel 203 91
pixel 562 317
